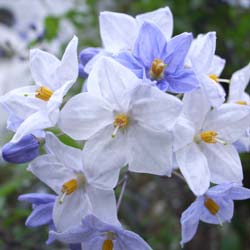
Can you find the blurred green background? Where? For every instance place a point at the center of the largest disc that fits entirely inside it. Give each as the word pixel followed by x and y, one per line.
pixel 152 205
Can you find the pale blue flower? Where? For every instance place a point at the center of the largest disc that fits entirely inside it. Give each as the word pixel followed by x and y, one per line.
pixel 214 207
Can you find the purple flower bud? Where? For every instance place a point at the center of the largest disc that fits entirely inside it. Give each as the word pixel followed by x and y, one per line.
pixel 23 151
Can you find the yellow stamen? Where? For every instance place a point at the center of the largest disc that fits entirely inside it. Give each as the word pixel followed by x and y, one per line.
pixel 121 121
pixel 107 245
pixel 44 93
pixel 211 206
pixel 241 102
pixel 68 188
pixel 208 136
pixel 157 69
pixel 214 77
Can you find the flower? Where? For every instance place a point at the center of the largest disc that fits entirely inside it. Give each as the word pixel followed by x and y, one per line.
pixel 79 188
pixel 23 151
pixel 237 94
pixel 203 142
pixel 207 67
pixel 124 121
pixel 95 234
pixel 42 206
pixel 119 32
pixel 38 106
pixel 160 60
pixel 215 207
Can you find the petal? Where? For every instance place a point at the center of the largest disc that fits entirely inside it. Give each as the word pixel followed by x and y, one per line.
pixel 118 31
pixel 69 213
pixel 38 121
pixel 230 121
pixel 225 213
pixel 103 204
pixel 153 109
pixel 190 221
pixel 239 193
pixel 238 83
pixel 41 215
pixel 68 156
pixel 104 153
pixel 107 81
pixel 22 102
pixel 194 167
pixel 49 170
pixel 224 163
pixel 202 52
pixel 42 66
pixel 37 198
pixel 84 115
pixel 183 81
pixel 178 47
pixel 217 66
pixel 162 18
pixel 150 44
pixel 149 151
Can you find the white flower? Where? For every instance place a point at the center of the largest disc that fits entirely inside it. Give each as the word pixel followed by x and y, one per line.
pixel 208 67
pixel 124 120
pixel 203 142
pixel 38 106
pixel 80 191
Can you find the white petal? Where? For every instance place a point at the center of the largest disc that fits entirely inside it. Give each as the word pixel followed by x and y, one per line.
pixel 238 83
pixel 70 213
pixel 224 163
pixel 217 66
pixel 84 115
pixel 42 66
pixel 154 109
pixel 69 157
pixel 194 167
pixel 118 31
pixel 49 170
pixel 230 121
pixel 103 204
pixel 162 18
pixel 38 121
pixel 22 102
pixel 149 151
pixel 107 81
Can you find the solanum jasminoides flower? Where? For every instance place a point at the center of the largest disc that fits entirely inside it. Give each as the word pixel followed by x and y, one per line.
pixel 93 233
pixel 160 60
pixel 215 207
pixel 25 150
pixel 124 120
pixel 80 189
pixel 38 106
pixel 204 142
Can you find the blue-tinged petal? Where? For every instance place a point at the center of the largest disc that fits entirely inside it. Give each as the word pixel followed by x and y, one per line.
pixel 225 213
pixel 129 61
pixel 178 48
pixel 75 247
pixel 190 221
pixel 182 81
pixel 41 215
pixel 239 193
pixel 37 199
pixel 150 44
pixel 51 238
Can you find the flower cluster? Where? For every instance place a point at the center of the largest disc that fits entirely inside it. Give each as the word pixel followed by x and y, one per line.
pixel 152 103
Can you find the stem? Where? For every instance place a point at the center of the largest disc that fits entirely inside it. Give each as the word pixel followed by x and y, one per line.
pixel 125 181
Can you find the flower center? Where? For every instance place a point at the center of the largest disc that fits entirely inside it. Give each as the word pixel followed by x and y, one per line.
pixel 108 243
pixel 241 102
pixel 121 121
pixel 211 137
pixel 44 93
pixel 211 206
pixel 71 186
pixel 157 69
pixel 214 77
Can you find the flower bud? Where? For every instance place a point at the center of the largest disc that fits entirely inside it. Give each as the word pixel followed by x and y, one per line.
pixel 23 151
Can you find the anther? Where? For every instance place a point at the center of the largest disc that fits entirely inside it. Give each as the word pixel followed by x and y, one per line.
pixel 121 121
pixel 68 188
pixel 217 79
pixel 107 245
pixel 210 136
pixel 157 69
pixel 211 206
pixel 44 93
pixel 241 102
